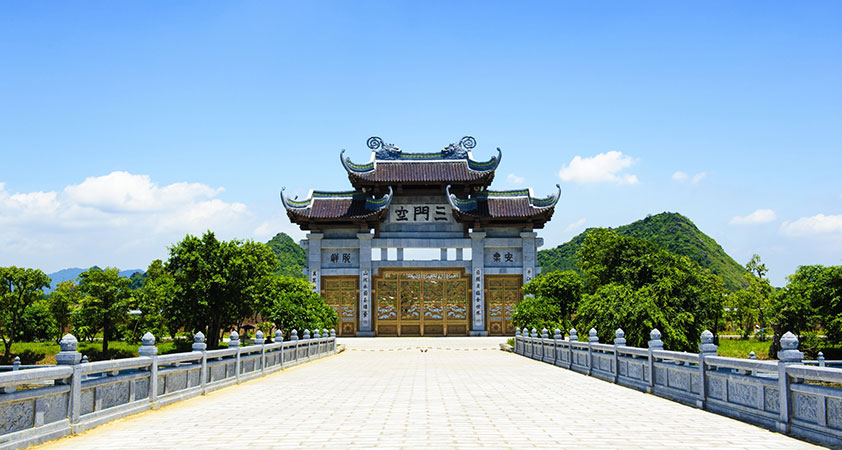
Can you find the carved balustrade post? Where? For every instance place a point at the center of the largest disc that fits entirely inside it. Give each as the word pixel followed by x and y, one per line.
pixel 148 349
pixel 655 343
pixel 234 342
pixel 788 356
pixel 706 348
pixel 619 341
pixel 592 339
pixel 199 345
pixel 261 341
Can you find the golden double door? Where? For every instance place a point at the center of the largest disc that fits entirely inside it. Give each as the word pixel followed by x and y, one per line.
pixel 502 293
pixel 421 302
pixel 341 293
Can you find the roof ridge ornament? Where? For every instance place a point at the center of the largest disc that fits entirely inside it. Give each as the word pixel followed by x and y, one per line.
pixel 375 142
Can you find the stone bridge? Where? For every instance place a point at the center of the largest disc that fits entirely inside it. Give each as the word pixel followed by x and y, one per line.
pixel 426 392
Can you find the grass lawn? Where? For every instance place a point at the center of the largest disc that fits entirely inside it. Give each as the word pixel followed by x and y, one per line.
pixel 740 348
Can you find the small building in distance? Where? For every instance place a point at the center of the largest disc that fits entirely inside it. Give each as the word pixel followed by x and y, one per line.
pixel 420 246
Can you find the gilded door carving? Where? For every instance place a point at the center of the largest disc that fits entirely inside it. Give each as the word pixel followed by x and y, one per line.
pixel 502 293
pixel 415 302
pixel 341 293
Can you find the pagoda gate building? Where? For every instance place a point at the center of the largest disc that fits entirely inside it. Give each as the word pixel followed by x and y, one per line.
pixel 483 243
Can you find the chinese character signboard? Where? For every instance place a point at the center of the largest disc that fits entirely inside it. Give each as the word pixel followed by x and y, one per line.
pixel 420 213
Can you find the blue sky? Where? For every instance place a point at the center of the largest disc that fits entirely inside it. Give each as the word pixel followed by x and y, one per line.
pixel 124 126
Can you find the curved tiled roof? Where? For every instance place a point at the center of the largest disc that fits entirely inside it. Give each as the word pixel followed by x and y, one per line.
pixel 390 165
pixel 335 206
pixel 504 205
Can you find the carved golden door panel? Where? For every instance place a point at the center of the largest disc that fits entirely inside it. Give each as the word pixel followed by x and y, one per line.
pixel 341 293
pixel 502 293
pixel 415 302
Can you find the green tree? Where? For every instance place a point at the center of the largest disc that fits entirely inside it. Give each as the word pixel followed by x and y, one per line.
pixel 811 300
pixel 153 304
pixel 106 301
pixel 62 302
pixel 217 283
pixel 750 305
pixel 38 324
pixel 19 288
pixel 556 296
pixel 636 285
pixel 291 304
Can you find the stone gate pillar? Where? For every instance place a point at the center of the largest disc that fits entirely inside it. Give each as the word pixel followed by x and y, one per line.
pixel 365 309
pixel 529 255
pixel 314 260
pixel 478 327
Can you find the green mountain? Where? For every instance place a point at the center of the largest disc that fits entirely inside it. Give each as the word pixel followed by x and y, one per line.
pixel 671 231
pixel 290 255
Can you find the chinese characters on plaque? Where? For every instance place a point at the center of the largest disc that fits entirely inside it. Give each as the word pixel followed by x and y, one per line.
pixel 420 213
pixel 478 296
pixel 364 298
pixel 314 280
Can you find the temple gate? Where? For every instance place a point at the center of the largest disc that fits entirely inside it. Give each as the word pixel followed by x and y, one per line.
pixel 361 243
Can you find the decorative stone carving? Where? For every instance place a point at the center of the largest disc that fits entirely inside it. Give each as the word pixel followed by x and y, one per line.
pixel 707 347
pixel 716 388
pixel 742 393
pixel 771 400
pixel 655 342
pixel 619 337
pixel 16 416
pixel 68 354
pixel 147 347
pixel 258 338
pixel 199 342
pixel 573 335
pixel 234 340
pixel 805 407
pixel 592 337
pixel 789 349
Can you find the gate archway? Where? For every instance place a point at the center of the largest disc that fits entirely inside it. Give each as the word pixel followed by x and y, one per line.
pixel 421 302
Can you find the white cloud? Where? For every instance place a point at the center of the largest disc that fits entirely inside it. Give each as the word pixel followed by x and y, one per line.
pixel 116 219
pixel 683 177
pixel 514 179
pixel 575 225
pixel 758 216
pixel 602 168
pixel 819 224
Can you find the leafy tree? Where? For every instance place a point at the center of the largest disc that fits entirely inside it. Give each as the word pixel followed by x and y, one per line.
pixel 62 302
pixel 37 323
pixel 217 283
pixel 811 300
pixel 291 304
pixel 556 296
pixel 538 313
pixel 750 305
pixel 19 288
pixel 636 285
pixel 154 302
pixel 106 301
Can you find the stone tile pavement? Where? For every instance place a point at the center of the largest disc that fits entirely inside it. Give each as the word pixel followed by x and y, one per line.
pixel 460 393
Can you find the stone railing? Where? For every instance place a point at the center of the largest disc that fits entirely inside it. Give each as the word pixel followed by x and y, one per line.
pixel 48 402
pixel 787 395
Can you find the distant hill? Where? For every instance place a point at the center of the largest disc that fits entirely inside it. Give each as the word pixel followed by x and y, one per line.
pixel 671 231
pixel 73 273
pixel 290 255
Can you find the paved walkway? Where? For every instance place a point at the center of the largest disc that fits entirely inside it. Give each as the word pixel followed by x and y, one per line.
pixel 461 393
